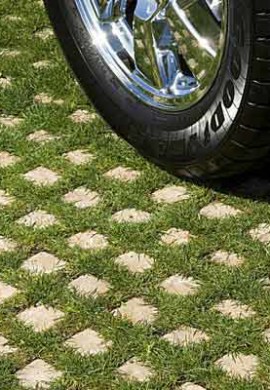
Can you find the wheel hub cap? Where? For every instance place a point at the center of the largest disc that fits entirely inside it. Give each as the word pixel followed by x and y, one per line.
pixel 166 52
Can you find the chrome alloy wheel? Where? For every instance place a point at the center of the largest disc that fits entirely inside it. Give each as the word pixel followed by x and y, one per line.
pixel 166 52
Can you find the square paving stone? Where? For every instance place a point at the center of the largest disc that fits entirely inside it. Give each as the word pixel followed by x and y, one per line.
pixel 38 220
pixel 37 375
pixel 180 285
pixel 172 194
pixel 134 370
pixel 5 199
pixel 190 386
pixel 137 311
pixel 82 198
pixel 88 342
pixel 176 237
pixel 40 318
pixel 5 348
pixel 239 366
pixel 131 216
pixel 42 176
pixel 185 336
pixel 89 285
pixel 135 262
pixel 79 157
pixel 218 210
pixel 43 263
pixel 261 233
pixel 7 245
pixel 89 240
pixel 7 159
pixel 234 309
pixel 6 292
pixel 122 174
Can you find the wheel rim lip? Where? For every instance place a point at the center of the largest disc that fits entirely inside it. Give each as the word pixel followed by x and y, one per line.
pixel 137 85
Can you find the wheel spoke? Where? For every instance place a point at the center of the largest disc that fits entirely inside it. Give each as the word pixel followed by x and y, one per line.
pixel 216 8
pixel 164 29
pixel 111 10
pixel 198 34
pixel 144 31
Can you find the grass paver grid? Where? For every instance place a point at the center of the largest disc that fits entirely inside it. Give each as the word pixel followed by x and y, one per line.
pixel 113 274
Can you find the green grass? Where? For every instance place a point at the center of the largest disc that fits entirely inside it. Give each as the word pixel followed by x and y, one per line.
pixel 172 365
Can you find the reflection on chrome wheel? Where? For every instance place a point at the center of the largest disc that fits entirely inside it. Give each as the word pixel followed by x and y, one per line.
pixel 167 52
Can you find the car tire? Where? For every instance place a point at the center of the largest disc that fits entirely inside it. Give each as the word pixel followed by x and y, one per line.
pixel 224 133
